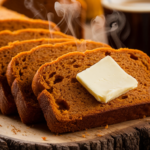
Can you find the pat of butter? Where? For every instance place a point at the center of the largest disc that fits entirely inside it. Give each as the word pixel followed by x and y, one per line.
pixel 106 80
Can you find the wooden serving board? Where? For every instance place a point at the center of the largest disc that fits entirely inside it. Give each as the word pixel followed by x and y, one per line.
pixel 127 135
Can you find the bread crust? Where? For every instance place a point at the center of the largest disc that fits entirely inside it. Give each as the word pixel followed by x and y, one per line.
pixel 11 20
pixel 10 73
pixel 7 104
pixel 22 102
pixel 89 121
pixel 26 34
pixel 118 111
pixel 17 24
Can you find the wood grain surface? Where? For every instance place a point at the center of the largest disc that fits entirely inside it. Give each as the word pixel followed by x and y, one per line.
pixel 131 135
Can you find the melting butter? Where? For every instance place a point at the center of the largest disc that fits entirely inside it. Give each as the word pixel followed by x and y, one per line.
pixel 106 80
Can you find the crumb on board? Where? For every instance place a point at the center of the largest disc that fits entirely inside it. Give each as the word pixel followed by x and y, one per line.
pixel 144 116
pixel 86 133
pixel 15 130
pixel 44 138
pixel 99 135
pixel 83 135
pixel 0 125
pixel 106 127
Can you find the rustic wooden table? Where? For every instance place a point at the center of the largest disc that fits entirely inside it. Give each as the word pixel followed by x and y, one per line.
pixel 131 135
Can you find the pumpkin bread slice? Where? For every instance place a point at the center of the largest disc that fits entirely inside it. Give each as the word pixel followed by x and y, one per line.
pixel 77 22
pixel 69 107
pixel 7 104
pixel 17 24
pixel 23 67
pixel 27 34
pixel 11 20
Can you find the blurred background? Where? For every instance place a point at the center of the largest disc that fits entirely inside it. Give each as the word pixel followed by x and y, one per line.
pixel 40 8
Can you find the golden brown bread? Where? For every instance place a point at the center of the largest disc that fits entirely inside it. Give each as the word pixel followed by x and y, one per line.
pixel 27 34
pixel 22 68
pixel 17 24
pixel 10 20
pixel 7 104
pixel 19 6
pixel 69 107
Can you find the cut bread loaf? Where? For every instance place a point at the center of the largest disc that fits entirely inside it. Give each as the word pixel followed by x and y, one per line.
pixel 77 22
pixel 10 20
pixel 69 107
pixel 27 34
pixel 23 67
pixel 7 104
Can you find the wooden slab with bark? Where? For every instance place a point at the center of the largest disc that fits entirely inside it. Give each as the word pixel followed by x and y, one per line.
pixel 130 135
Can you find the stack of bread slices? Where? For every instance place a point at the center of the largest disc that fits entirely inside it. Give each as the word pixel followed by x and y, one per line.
pixel 38 69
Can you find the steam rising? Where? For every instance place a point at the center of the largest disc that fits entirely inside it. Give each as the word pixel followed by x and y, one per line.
pixel 38 9
pixel 97 27
pixel 119 31
pixel 50 17
pixel 116 28
pixel 68 11
pixel 35 8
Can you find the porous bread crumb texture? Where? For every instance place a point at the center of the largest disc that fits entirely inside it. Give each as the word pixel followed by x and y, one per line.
pixel 60 80
pixel 16 24
pixel 23 67
pixel 7 52
pixel 26 34
pixel 7 104
pixel 59 91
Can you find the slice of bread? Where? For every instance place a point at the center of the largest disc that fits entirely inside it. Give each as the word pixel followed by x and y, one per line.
pixel 77 23
pixel 10 20
pixel 17 24
pixel 69 107
pixel 7 104
pixel 23 67
pixel 27 34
